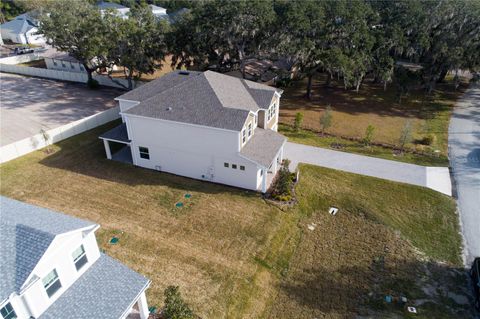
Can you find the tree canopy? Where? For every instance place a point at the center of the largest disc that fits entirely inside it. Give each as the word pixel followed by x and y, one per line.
pixel 346 39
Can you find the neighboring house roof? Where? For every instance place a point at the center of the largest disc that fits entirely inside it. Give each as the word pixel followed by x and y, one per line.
pixel 157 10
pixel 208 99
pixel 263 146
pixel 26 232
pixel 110 5
pixel 105 291
pixel 20 25
pixel 118 133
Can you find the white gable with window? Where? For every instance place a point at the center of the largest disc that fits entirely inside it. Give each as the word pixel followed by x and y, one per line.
pixel 49 260
pixel 57 270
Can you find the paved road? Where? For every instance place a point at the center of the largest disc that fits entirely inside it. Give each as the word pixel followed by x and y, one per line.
pixel 437 178
pixel 29 104
pixel 464 152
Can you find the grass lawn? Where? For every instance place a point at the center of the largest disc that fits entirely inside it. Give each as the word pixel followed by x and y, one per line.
pixel 352 112
pixel 235 256
pixel 341 144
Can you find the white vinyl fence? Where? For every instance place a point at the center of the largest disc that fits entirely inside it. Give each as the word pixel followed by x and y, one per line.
pixel 23 58
pixel 63 75
pixel 30 144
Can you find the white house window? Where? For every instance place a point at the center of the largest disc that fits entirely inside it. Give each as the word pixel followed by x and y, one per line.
pixel 249 129
pixel 63 64
pixel 234 166
pixel 71 65
pixel 7 312
pixel 82 68
pixel 144 153
pixel 54 62
pixel 225 164
pixel 51 282
pixel 243 136
pixel 242 168
pixel 79 257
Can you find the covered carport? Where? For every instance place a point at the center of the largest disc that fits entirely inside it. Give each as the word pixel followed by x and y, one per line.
pixel 117 144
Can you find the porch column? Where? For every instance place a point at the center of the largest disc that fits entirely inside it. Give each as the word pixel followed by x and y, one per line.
pixel 107 149
pixel 264 180
pixel 143 306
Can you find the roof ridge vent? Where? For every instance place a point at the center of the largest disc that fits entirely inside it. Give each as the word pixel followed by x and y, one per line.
pixel 184 72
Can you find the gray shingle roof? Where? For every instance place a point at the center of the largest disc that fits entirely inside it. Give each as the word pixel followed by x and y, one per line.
pixel 263 146
pixel 26 232
pixel 118 133
pixel 153 88
pixel 209 99
pixel 105 291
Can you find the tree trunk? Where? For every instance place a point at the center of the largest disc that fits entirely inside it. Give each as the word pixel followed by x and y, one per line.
pixel 329 79
pixel 441 77
pixel 89 73
pixel 309 86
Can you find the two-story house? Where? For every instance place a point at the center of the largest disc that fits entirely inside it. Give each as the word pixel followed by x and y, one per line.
pixel 202 125
pixel 51 268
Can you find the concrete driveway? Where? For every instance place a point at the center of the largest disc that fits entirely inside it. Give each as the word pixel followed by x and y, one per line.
pixel 437 178
pixel 29 104
pixel 464 152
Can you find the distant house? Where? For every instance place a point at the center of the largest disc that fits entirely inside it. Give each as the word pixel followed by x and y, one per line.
pixel 158 12
pixel 203 125
pixel 51 268
pixel 23 29
pixel 63 62
pixel 120 10
pixel 123 11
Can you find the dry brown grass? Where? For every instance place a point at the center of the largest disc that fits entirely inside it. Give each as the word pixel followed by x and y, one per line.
pixel 166 68
pixel 345 267
pixel 230 252
pixel 353 112
pixel 207 249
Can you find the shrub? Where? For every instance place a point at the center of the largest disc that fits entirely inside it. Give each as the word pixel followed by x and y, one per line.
pixel 426 140
pixel 282 189
pixel 298 121
pixel 93 84
pixel 175 306
pixel 405 135
pixel 326 119
pixel 367 140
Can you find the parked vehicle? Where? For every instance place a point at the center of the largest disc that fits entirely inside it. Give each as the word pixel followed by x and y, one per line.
pixel 475 274
pixel 23 50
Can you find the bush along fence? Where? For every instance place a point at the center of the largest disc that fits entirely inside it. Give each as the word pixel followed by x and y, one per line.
pixel 47 137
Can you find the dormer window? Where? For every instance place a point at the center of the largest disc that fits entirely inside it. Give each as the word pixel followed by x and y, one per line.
pixel 79 257
pixel 7 312
pixel 51 283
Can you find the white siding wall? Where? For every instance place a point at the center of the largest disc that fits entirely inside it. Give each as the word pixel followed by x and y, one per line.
pixel 59 257
pixel 191 151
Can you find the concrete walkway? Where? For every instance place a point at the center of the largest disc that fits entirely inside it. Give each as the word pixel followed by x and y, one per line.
pixel 464 152
pixel 437 178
